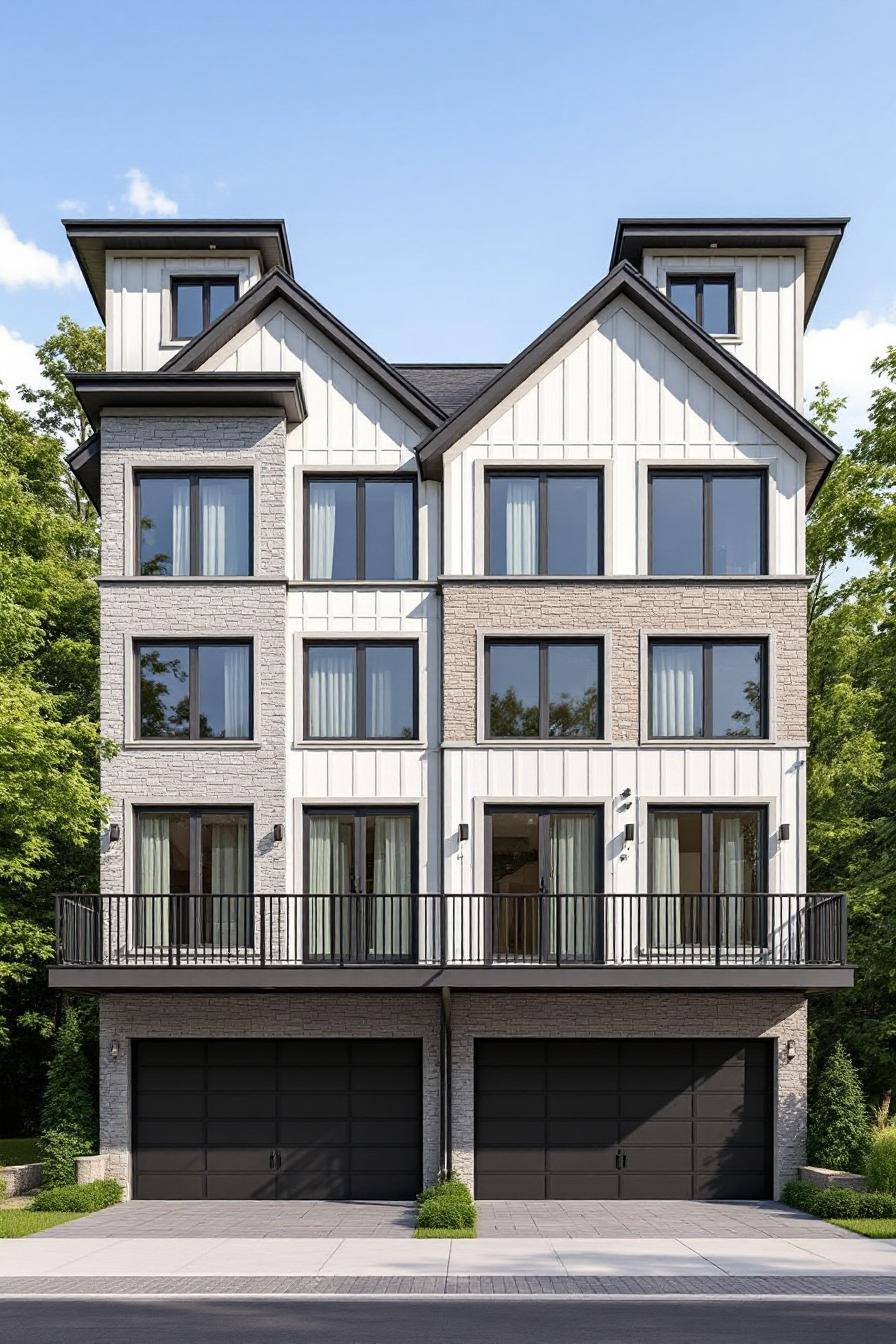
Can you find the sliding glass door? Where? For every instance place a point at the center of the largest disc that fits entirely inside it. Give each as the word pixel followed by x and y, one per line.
pixel 360 876
pixel 544 872
pixel 707 866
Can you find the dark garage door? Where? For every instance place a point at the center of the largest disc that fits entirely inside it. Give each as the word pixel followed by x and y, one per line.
pixel 298 1119
pixel 628 1119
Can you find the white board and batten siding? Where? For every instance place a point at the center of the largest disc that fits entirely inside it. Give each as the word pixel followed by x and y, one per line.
pixel 622 395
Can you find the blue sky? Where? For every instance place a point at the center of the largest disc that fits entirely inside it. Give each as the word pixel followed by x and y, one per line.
pixel 451 173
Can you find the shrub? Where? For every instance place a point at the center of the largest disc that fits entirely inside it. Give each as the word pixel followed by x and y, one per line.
pixel 838 1120
pixel 450 1185
pixel 2 1189
pixel 447 1210
pixel 58 1150
pixel 880 1162
pixel 77 1198
pixel 68 1118
pixel 835 1201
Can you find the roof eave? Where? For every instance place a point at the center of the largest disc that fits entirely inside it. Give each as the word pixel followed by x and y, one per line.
pixel 103 392
pixel 84 464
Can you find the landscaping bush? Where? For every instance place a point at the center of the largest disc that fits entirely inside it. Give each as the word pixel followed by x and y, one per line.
pixel 58 1150
pixel 836 1201
pixel 447 1210
pixel 68 1118
pixel 450 1185
pixel 880 1162
pixel 2 1189
pixel 77 1198
pixel 838 1119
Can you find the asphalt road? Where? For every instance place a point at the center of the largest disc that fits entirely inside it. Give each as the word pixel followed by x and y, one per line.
pixel 514 1321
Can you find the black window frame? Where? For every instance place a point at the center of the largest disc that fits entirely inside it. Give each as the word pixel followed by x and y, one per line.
pixel 698 280
pixel 360 813
pixel 360 480
pixel 360 647
pixel 708 812
pixel 707 644
pixel 193 646
pixel 542 643
pixel 543 475
pixel 206 281
pixel 707 475
pixel 194 477
pixel 195 813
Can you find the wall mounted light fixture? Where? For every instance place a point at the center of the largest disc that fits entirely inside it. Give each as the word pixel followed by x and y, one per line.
pixel 629 832
pixel 463 831
pixel 791 1050
pixel 784 830
pixel 114 832
pixel 113 1049
pixel 278 831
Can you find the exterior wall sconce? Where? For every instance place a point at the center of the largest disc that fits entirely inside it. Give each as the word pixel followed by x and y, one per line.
pixel 113 1050
pixel 791 1050
pixel 278 831
pixel 629 832
pixel 784 830
pixel 114 833
pixel 463 831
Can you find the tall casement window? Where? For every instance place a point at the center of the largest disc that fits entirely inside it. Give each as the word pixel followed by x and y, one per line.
pixel 194 689
pixel 360 527
pixel 194 866
pixel 360 872
pixel 365 690
pixel 544 522
pixel 545 871
pixel 708 522
pixel 198 302
pixel 708 688
pixel 708 300
pixel 194 523
pixel 543 688
pixel 706 866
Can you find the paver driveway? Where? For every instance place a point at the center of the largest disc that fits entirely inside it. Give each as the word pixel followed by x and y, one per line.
pixel 245 1218
pixel 622 1218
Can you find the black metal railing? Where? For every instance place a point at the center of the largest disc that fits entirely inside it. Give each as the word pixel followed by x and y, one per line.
pixel 495 929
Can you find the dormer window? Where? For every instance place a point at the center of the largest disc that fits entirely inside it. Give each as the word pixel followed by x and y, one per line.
pixel 197 302
pixel 708 300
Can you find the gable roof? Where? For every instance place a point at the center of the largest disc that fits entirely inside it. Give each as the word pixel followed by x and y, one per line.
pixel 625 282
pixel 278 285
pixel 450 386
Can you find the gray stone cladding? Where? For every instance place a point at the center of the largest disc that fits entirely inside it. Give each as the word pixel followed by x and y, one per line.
pixel 624 610
pixel 780 1016
pixel 123 1017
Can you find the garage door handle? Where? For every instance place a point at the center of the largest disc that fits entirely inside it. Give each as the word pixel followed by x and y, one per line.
pixel 272 1160
pixel 621 1160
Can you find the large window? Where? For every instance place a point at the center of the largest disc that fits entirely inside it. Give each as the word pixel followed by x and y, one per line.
pixel 360 527
pixel 194 523
pixel 707 522
pixel 196 303
pixel 361 690
pixel 194 689
pixel 707 688
pixel 202 856
pixel 544 522
pixel 708 300
pixel 543 688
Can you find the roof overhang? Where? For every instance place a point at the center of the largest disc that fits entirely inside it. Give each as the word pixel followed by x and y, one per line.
pixel 819 239
pixel 91 239
pixel 84 462
pixel 625 282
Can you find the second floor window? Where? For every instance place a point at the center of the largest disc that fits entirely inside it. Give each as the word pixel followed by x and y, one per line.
pixel 543 688
pixel 707 522
pixel 366 690
pixel 547 522
pixel 360 527
pixel 194 523
pixel 194 689
pixel 707 688
pixel 197 303
pixel 708 300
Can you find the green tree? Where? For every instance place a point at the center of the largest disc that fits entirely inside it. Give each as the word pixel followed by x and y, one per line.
pixel 68 1114
pixel 839 1132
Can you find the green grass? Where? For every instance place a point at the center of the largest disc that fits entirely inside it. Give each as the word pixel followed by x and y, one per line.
pixel 438 1233
pixel 869 1227
pixel 22 1222
pixel 16 1152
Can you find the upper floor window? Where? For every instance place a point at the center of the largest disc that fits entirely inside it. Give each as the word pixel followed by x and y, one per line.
pixel 544 522
pixel 360 527
pixel 707 688
pixel 197 302
pixel 707 522
pixel 361 690
pixel 194 689
pixel 194 523
pixel 709 300
pixel 543 688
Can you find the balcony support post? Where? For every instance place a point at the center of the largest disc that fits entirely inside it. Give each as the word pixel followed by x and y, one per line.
pixel 843 929
pixel 445 1144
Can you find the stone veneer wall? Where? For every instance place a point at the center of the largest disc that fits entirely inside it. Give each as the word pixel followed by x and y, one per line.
pixel 623 610
pixel 781 1016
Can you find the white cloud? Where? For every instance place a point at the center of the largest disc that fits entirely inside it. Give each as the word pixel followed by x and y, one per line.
pixel 145 198
pixel 18 364
pixel 841 357
pixel 27 264
pixel 70 205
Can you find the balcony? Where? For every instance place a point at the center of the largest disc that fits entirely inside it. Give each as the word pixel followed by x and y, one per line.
pixel 492 941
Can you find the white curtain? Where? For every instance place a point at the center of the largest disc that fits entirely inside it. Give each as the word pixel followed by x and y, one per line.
pixel 675 689
pixel 155 878
pixel 389 925
pixel 521 526
pixel 331 693
pixel 381 700
pixel 236 691
pixel 321 530
pixel 403 532
pixel 572 878
pixel 732 876
pixel 666 884
pixel 329 866
pixel 180 527
pixel 222 526
pixel 229 876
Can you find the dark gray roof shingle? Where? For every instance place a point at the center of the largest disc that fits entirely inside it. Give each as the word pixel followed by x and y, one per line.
pixel 450 386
